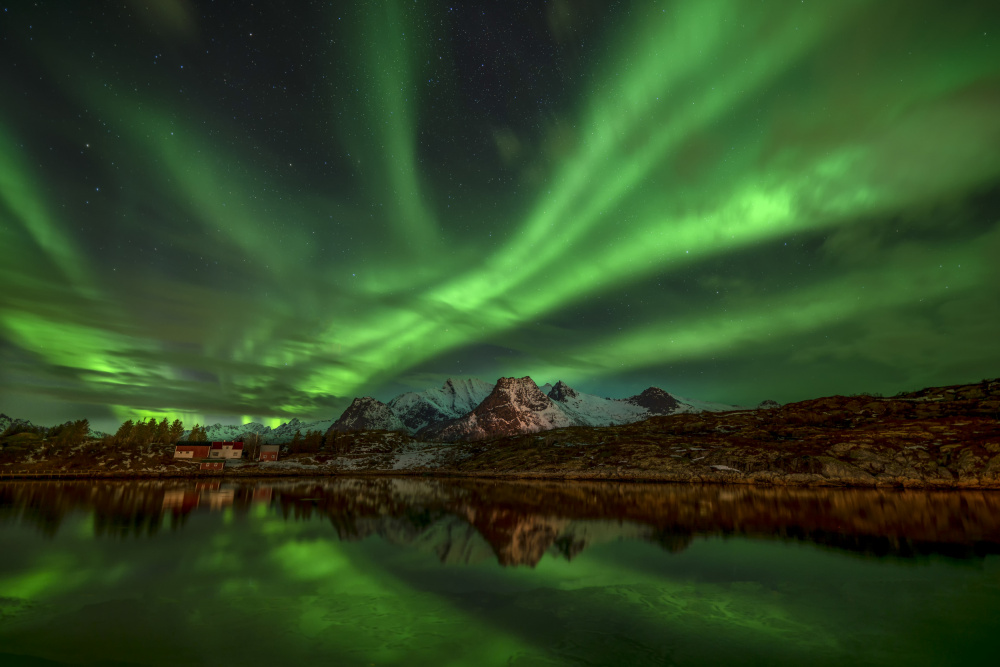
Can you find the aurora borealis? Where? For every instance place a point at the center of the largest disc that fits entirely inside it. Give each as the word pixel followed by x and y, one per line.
pixel 219 211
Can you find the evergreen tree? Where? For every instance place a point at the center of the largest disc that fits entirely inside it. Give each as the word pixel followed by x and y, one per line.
pixel 197 434
pixel 297 442
pixel 176 431
pixel 57 434
pixel 312 441
pixel 162 431
pixel 124 434
pixel 142 434
pixel 80 431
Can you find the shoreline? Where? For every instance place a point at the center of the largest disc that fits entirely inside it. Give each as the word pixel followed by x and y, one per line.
pixel 765 479
pixel 937 438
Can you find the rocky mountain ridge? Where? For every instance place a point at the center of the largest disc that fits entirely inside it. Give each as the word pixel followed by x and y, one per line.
pixel 516 405
pixel 467 410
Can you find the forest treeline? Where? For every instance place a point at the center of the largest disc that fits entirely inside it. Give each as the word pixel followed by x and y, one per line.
pixel 142 433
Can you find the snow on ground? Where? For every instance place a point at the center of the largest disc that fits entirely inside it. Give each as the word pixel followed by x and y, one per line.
pixel 407 460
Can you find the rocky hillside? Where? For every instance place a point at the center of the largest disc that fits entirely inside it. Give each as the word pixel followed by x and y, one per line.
pixel 939 437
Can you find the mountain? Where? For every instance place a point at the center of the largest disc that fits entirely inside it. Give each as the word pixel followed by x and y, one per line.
pixel 230 432
pixel 25 425
pixel 286 432
pixel 654 401
pixel 455 399
pixel 368 414
pixel 590 410
pixel 278 435
pixel 469 409
pixel 516 405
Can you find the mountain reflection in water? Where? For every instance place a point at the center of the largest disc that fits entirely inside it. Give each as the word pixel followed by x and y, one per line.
pixel 466 521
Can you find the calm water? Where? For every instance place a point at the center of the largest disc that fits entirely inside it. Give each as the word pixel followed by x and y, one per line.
pixel 414 572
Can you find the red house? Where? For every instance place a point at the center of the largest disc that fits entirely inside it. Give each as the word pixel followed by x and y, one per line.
pixel 268 453
pixel 212 465
pixel 192 451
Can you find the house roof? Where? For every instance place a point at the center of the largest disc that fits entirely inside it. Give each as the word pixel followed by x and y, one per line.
pixel 234 445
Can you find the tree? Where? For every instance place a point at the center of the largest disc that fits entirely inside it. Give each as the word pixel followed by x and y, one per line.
pixel 124 434
pixel 197 434
pixel 143 433
pixel 312 441
pixel 176 431
pixel 21 427
pixel 339 442
pixel 251 445
pixel 297 442
pixel 163 431
pixel 80 431
pixel 59 434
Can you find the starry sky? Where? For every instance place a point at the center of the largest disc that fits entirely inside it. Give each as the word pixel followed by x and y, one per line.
pixel 236 211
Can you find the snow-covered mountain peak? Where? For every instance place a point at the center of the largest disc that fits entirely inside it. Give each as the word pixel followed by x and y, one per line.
pixel 368 414
pixel 561 392
pixel 432 406
pixel 516 405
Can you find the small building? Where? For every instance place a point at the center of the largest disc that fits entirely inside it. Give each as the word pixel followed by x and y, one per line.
pixel 212 465
pixel 192 450
pixel 268 453
pixel 226 450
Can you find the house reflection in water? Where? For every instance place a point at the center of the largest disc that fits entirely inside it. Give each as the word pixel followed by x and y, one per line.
pixel 517 523
pixel 181 501
pixel 213 495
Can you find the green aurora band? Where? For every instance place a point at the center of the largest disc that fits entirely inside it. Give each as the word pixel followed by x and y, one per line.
pixel 734 198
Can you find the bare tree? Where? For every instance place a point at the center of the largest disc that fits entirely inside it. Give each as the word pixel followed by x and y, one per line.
pixel 251 445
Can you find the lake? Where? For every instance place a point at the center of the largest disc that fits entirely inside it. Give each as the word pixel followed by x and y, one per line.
pixel 417 571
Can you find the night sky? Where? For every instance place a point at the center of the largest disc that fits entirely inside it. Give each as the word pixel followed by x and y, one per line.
pixel 235 211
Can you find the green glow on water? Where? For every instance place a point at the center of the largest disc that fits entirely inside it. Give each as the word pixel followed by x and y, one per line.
pixel 297 592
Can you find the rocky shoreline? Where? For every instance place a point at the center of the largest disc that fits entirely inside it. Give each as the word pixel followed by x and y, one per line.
pixel 941 438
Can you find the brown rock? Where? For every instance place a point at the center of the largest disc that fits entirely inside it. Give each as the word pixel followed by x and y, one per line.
pixel 840 471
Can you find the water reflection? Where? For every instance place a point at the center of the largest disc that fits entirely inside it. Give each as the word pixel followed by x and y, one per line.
pixel 467 521
pixel 366 571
